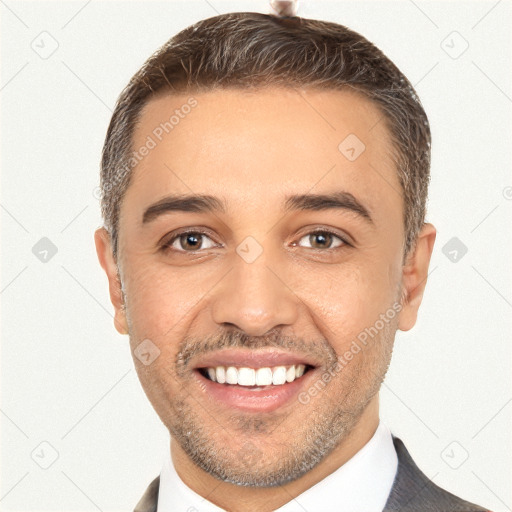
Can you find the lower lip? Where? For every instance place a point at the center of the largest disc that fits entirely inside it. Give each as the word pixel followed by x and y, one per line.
pixel 265 399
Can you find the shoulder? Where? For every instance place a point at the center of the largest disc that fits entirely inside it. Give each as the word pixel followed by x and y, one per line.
pixel 412 490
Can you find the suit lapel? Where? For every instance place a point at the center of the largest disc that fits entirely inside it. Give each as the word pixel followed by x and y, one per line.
pixel 413 491
pixel 149 500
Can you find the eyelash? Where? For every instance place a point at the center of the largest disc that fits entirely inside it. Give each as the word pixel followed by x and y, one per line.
pixel 167 245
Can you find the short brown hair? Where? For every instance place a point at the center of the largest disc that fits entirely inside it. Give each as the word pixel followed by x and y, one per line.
pixel 253 50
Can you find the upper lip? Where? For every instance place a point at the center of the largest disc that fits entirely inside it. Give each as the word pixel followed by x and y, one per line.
pixel 253 359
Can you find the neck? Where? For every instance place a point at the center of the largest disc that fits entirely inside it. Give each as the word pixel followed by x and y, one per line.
pixel 262 499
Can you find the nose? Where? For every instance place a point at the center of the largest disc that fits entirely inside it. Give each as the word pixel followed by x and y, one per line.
pixel 254 297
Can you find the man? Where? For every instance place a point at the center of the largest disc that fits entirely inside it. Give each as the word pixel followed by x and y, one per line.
pixel 293 157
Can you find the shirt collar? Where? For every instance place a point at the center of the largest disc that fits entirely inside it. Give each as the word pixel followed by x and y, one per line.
pixel 362 484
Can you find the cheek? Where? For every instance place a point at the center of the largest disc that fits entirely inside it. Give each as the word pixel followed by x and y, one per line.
pixel 348 299
pixel 342 299
pixel 159 385
pixel 157 299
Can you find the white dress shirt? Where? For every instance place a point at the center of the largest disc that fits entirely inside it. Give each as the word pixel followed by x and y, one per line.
pixel 362 484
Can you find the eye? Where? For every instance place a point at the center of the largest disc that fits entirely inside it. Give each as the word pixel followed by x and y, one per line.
pixel 193 240
pixel 188 241
pixel 323 239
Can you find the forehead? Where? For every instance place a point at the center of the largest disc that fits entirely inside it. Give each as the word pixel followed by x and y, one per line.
pixel 240 144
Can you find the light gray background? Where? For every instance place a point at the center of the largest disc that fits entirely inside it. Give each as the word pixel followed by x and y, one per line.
pixel 67 376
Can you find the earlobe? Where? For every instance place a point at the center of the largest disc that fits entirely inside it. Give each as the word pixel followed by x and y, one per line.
pixel 414 276
pixel 109 265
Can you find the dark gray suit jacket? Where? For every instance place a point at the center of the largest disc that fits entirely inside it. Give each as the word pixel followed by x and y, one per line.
pixel 412 491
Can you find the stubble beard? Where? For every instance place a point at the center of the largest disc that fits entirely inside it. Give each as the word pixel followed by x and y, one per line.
pixel 273 449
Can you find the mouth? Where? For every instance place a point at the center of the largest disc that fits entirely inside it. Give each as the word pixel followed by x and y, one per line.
pixel 254 378
pixel 254 382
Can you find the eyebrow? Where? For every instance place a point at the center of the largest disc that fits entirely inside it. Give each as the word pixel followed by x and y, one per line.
pixel 299 202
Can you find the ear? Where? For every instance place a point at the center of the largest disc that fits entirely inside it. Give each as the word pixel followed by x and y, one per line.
pixel 109 265
pixel 414 276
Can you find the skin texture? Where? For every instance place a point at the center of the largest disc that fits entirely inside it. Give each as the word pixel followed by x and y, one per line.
pixel 303 294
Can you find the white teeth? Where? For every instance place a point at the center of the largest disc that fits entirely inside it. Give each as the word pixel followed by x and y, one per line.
pixel 231 375
pixel 264 376
pixel 220 373
pixel 277 376
pixel 246 377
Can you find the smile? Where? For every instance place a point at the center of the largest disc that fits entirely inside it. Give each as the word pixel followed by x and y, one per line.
pixel 274 376
pixel 254 381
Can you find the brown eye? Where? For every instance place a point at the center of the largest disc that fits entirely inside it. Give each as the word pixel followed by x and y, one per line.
pixel 188 242
pixel 323 240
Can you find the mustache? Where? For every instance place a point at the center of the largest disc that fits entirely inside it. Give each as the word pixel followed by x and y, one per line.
pixel 191 347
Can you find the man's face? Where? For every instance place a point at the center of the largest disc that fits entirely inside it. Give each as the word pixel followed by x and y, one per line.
pixel 256 285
